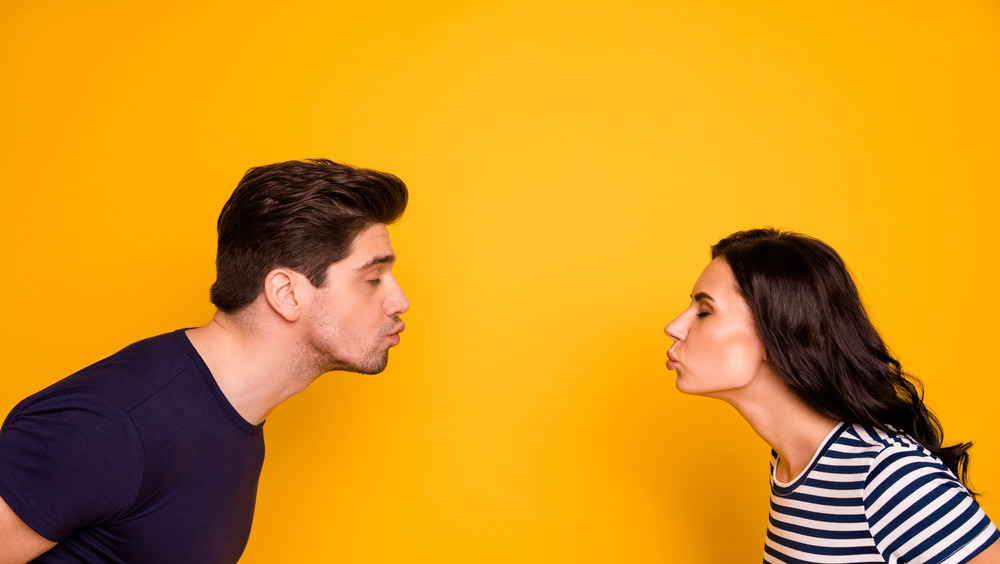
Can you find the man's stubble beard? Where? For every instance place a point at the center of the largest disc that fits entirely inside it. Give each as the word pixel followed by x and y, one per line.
pixel 373 362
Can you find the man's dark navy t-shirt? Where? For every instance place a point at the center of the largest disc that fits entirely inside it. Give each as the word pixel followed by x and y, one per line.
pixel 137 458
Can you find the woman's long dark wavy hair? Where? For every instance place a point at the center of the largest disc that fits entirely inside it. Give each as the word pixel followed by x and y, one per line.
pixel 819 339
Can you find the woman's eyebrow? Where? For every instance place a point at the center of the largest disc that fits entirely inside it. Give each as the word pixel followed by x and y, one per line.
pixel 702 296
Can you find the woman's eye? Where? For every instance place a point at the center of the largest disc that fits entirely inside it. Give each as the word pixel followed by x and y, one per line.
pixel 703 313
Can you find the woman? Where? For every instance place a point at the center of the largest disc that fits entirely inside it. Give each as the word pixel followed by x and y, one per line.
pixel 776 328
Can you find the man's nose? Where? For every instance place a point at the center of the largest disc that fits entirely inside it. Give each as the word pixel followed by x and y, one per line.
pixel 397 303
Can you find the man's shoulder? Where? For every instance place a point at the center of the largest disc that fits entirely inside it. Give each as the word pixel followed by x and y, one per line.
pixel 127 377
pixel 151 349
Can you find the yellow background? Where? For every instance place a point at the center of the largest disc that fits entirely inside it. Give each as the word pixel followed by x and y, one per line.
pixel 569 165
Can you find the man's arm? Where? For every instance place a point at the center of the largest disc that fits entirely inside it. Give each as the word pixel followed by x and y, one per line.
pixel 18 543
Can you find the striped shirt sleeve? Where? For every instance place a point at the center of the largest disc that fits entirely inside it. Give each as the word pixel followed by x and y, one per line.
pixel 919 513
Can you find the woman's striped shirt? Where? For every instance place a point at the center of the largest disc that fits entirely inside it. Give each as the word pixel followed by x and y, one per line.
pixel 871 497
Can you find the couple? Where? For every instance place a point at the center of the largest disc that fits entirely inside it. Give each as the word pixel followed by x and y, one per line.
pixel 153 454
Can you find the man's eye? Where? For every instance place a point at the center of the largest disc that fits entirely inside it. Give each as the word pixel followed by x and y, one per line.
pixel 375 282
pixel 703 313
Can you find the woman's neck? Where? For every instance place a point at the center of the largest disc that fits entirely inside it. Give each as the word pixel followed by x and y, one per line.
pixel 790 426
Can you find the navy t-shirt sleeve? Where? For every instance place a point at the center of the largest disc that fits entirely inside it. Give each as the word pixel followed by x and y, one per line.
pixel 67 462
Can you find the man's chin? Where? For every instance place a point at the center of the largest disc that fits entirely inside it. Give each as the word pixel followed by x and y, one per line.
pixel 373 366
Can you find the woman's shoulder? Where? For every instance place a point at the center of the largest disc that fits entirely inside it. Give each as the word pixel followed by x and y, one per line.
pixel 891 458
pixel 880 443
pixel 899 465
pixel 911 499
pixel 859 441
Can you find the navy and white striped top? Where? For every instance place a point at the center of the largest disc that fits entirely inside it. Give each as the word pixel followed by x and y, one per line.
pixel 871 497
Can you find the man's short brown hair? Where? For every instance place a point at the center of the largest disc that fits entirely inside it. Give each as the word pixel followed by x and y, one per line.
pixel 302 215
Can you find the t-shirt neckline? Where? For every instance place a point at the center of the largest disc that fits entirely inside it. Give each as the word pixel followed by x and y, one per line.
pixel 831 438
pixel 244 425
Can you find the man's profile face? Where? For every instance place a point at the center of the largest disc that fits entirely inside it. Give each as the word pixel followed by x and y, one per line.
pixel 353 318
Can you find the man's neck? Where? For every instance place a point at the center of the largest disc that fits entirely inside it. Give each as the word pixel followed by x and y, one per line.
pixel 251 362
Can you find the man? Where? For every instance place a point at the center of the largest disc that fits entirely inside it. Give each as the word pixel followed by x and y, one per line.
pixel 153 454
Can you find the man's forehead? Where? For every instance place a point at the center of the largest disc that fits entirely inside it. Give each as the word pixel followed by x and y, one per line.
pixel 373 232
pixel 372 246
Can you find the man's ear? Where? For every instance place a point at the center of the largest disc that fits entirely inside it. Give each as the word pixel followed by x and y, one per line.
pixel 280 287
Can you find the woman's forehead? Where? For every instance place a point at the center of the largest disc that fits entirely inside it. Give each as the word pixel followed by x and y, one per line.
pixel 716 278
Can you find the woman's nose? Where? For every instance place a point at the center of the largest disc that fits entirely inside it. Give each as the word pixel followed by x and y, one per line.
pixel 675 329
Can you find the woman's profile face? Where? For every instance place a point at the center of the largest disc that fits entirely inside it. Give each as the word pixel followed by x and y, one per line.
pixel 716 348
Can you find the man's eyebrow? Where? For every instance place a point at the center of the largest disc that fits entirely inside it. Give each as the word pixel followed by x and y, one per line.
pixel 382 259
pixel 702 296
